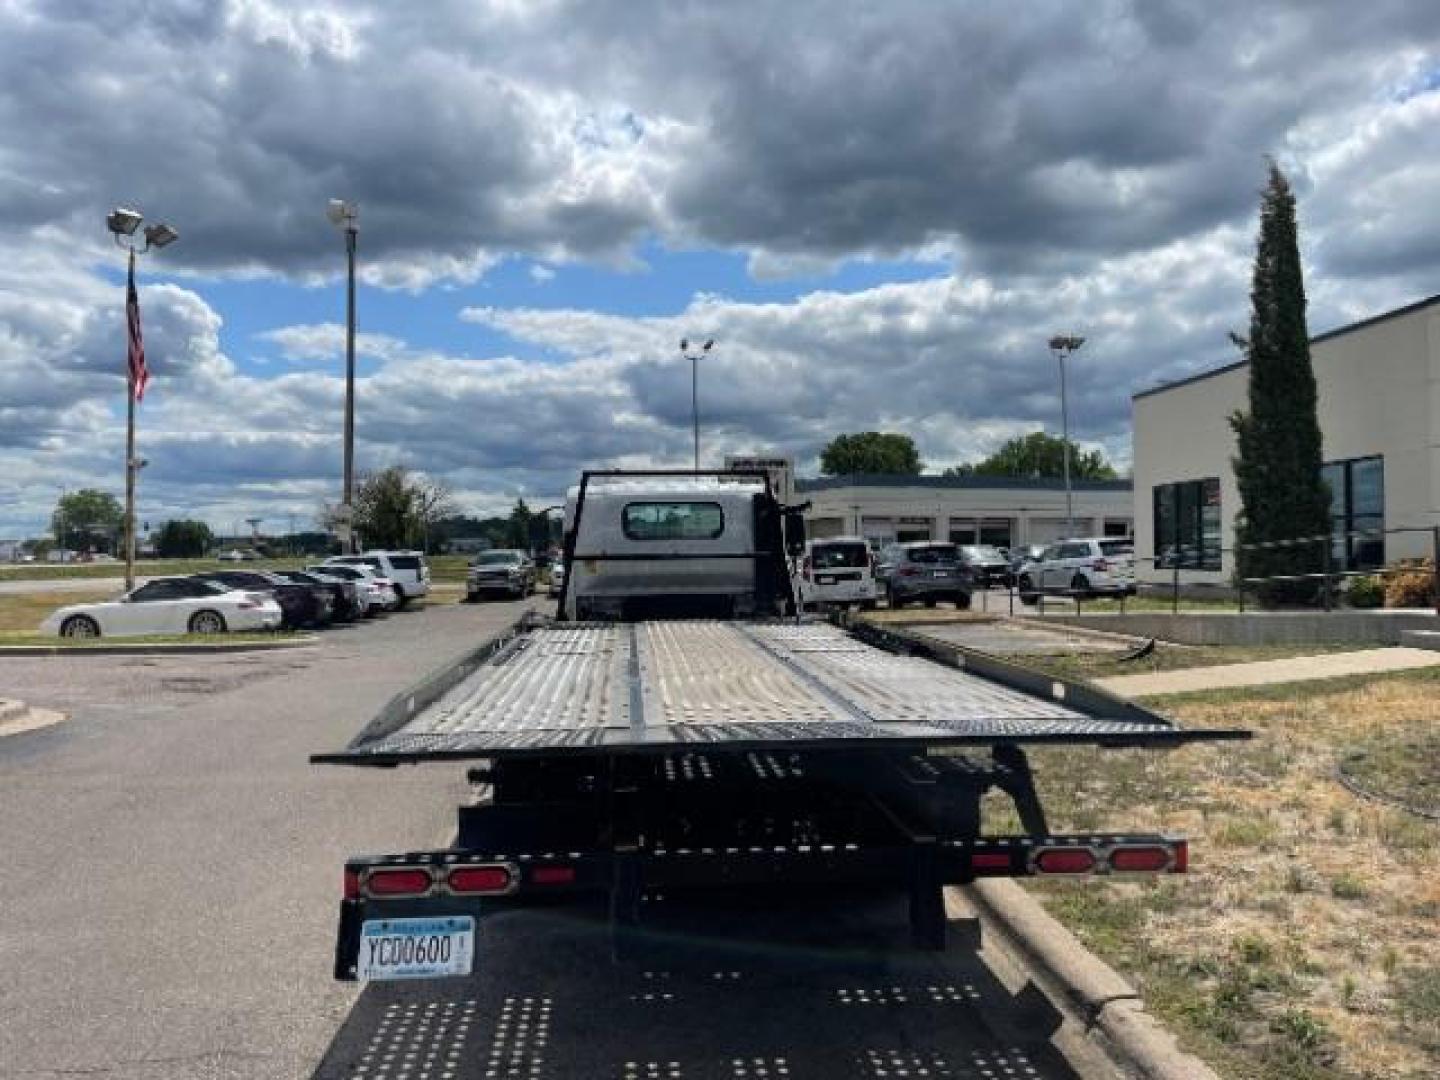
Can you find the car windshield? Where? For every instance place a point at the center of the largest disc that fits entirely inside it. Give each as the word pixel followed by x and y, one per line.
pixel 830 556
pixel 982 553
pixel 933 553
pixel 497 558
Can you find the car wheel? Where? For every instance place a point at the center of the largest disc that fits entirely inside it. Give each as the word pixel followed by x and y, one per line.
pixel 402 600
pixel 867 605
pixel 207 622
pixel 1026 589
pixel 79 626
pixel 1080 585
pixel 931 601
pixel 962 601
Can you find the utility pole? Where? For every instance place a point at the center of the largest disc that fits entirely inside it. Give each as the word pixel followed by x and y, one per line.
pixel 1063 346
pixel 345 215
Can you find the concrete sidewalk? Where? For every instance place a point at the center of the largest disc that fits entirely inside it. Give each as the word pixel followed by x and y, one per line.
pixel 1269 672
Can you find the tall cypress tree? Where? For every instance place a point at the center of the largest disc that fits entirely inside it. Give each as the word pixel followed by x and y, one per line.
pixel 1278 464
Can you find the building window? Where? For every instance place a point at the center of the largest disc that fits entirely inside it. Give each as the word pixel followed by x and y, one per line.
pixel 673 521
pixel 1187 525
pixel 1357 512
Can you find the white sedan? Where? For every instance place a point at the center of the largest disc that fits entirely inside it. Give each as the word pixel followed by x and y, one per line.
pixel 174 605
pixel 378 593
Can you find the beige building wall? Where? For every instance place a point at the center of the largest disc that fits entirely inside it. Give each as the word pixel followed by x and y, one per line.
pixel 1379 393
pixel 1033 515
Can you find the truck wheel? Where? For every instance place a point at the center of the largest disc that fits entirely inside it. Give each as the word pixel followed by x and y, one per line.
pixel 1080 585
pixel 931 601
pixel 962 601
pixel 867 605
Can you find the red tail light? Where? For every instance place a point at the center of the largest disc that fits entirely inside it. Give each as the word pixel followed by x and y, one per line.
pixel 1181 864
pixel 907 571
pixel 1139 860
pixel 480 880
pixel 399 881
pixel 1065 861
pixel 805 567
pixel 553 875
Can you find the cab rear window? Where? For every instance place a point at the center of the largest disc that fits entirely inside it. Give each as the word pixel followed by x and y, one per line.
pixel 832 556
pixel 405 562
pixel 672 520
pixel 1117 547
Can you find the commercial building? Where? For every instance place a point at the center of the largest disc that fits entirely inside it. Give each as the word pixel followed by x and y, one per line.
pixel 1003 511
pixel 1379 412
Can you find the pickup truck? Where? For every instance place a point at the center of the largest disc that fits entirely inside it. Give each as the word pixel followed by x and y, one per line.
pixel 677 730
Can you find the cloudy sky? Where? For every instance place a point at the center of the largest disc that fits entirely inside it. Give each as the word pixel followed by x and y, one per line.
pixel 880 211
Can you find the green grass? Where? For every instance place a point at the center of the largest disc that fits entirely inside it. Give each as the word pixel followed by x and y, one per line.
pixel 149 639
pixel 1170 658
pixel 1403 766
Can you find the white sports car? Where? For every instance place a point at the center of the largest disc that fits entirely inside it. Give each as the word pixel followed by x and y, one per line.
pixel 172 605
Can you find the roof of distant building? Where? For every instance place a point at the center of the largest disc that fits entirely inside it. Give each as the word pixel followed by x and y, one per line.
pixel 987 483
pixel 1339 331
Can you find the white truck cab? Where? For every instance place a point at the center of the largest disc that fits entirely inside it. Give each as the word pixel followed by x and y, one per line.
pixel 699 545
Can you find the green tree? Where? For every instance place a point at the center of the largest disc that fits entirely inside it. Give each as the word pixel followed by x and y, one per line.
pixel 517 534
pixel 1039 455
pixel 1283 494
pixel 395 508
pixel 183 539
pixel 870 452
pixel 88 519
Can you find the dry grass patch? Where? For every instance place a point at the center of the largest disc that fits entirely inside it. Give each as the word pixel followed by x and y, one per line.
pixel 22 613
pixel 1305 942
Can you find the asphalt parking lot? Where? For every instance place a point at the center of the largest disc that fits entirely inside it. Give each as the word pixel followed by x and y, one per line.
pixel 173 860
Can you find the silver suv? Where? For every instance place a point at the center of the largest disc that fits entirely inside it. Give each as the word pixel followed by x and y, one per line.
pixel 925 571
pixel 407 570
pixel 1088 566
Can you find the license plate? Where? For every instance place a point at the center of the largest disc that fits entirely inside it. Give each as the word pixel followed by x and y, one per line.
pixel 824 579
pixel 939 573
pixel 416 948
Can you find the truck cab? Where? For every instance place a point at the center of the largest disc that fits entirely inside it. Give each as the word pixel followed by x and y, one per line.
pixel 693 546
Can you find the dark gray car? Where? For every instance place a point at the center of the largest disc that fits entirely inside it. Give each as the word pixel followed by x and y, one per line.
pixel 927 571
pixel 507 571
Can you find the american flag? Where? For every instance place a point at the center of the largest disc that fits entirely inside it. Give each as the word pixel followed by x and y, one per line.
pixel 139 375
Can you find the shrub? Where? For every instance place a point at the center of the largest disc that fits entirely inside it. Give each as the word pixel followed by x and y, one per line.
pixel 1412 585
pixel 1365 592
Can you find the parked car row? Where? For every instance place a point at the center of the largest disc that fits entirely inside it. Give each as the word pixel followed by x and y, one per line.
pixel 846 571
pixel 341 589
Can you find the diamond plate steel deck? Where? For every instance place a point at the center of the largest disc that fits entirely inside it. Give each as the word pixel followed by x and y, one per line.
pixel 607 686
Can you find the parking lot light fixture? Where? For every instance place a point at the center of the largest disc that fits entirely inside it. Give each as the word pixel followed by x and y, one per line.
pixel 1063 346
pixel 694 358
pixel 122 223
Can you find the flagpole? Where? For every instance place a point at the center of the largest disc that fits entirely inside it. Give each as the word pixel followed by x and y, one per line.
pixel 130 459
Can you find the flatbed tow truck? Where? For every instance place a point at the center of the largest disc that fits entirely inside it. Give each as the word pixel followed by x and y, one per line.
pixel 671 806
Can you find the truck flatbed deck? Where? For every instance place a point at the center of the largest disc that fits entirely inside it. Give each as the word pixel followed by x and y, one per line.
pixel 573 688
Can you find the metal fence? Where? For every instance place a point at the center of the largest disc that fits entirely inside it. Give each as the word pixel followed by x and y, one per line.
pixel 1330 577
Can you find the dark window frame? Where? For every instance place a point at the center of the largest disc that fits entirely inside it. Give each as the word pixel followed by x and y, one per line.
pixel 626 528
pixel 1347 550
pixel 1184 545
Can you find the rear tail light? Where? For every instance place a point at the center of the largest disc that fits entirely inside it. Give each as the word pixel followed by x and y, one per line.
pixel 1064 861
pixel 552 875
pixel 990 860
pixel 805 567
pixel 1140 860
pixel 907 571
pixel 481 880
pixel 397 881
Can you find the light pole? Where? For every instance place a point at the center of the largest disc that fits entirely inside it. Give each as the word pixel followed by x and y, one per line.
pixel 345 215
pixel 694 358
pixel 122 224
pixel 1063 346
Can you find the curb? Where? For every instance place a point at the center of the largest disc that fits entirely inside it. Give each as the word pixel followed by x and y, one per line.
pixel 1108 1006
pixel 1090 631
pixel 168 649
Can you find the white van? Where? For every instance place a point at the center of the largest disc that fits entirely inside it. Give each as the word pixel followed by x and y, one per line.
pixel 838 570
